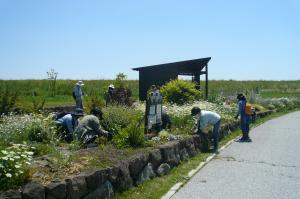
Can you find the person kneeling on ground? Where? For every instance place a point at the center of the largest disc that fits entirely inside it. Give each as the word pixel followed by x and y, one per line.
pixel 89 128
pixel 207 117
pixel 67 124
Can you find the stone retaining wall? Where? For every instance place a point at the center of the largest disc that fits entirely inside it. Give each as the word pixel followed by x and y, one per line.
pixel 103 183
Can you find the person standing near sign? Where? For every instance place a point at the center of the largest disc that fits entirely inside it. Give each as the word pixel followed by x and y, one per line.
pixel 78 94
pixel 203 119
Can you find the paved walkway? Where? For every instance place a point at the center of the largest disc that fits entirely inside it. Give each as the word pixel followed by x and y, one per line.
pixel 269 167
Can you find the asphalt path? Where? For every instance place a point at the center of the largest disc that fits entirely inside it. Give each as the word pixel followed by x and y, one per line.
pixel 268 167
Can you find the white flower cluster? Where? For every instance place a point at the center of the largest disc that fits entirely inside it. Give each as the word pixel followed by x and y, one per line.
pixel 14 123
pixel 277 102
pixel 227 111
pixel 166 136
pixel 13 160
pixel 13 127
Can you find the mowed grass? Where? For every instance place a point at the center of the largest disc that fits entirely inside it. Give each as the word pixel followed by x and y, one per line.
pixel 63 93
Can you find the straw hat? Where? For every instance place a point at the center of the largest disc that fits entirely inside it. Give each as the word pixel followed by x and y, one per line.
pixel 80 83
pixel 111 86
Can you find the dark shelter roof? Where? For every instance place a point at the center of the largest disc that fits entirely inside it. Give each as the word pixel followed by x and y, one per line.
pixel 189 67
pixel 162 73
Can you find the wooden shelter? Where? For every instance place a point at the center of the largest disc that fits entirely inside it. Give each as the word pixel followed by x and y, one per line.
pixel 162 73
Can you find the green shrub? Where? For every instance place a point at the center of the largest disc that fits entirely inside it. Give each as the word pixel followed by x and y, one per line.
pixel 38 102
pixel 14 163
pixel 7 100
pixel 180 92
pixel 258 107
pixel 94 99
pixel 163 135
pixel 182 124
pixel 271 107
pixel 122 94
pixel 117 117
pixel 133 135
pixel 36 132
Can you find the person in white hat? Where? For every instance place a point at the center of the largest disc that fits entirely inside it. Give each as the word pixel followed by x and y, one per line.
pixel 78 94
pixel 110 92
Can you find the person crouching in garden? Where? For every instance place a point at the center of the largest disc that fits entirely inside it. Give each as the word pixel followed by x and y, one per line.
pixel 244 118
pixel 203 119
pixel 67 124
pixel 89 128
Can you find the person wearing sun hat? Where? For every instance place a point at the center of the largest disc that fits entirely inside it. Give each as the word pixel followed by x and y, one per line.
pixel 109 94
pixel 67 124
pixel 89 128
pixel 78 94
pixel 245 119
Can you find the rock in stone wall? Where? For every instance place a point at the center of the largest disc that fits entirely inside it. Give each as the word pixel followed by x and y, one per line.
pixel 170 153
pixel 155 158
pixel 33 190
pixel 136 165
pixel 77 186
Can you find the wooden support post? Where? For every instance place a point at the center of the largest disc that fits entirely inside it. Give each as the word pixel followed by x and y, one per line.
pixel 197 80
pixel 206 83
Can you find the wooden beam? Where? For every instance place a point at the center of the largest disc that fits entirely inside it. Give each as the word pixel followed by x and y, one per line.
pixel 206 83
pixel 197 80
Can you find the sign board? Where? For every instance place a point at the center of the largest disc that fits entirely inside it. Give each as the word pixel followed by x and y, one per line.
pixel 153 109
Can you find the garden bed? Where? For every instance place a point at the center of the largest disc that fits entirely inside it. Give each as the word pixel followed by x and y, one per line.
pixel 104 171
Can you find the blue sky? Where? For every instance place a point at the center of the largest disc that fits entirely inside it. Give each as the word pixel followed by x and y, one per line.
pixel 247 39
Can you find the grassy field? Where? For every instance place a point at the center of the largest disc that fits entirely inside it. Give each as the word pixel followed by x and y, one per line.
pixel 26 89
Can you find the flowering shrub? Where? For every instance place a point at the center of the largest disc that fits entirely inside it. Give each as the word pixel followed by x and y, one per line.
pixel 19 128
pixel 180 115
pixel 278 103
pixel 227 112
pixel 165 136
pixel 14 161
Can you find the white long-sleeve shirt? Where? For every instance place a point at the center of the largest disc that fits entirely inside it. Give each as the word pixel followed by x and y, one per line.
pixel 207 117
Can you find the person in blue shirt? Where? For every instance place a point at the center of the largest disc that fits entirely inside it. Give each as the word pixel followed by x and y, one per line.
pixel 66 124
pixel 244 118
pixel 203 119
